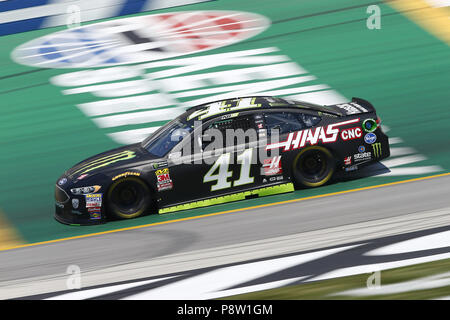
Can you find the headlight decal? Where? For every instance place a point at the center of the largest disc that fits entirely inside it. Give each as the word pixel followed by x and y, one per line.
pixel 85 190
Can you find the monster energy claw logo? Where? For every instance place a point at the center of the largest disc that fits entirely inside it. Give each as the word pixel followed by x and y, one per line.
pixel 377 149
pixel 105 161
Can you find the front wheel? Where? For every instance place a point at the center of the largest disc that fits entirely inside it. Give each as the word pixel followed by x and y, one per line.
pixel 313 167
pixel 128 198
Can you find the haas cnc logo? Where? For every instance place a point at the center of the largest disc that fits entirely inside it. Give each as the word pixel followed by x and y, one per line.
pixel 352 133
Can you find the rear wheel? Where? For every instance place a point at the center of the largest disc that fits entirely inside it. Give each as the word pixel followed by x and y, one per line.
pixel 129 198
pixel 313 167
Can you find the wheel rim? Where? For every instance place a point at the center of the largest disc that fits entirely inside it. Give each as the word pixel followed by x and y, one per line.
pixel 128 197
pixel 313 165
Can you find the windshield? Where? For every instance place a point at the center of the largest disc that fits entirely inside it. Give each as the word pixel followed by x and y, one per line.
pixel 163 140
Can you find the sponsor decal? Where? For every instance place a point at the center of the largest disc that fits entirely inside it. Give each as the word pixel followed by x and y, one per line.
pixel 62 181
pixel 93 200
pixel 351 108
pixel 156 165
pixel 95 213
pixel 162 171
pixel 274 179
pixel 228 116
pixel 219 107
pixel 140 39
pixel 163 181
pixel 75 203
pixel 59 205
pixel 272 166
pixel 299 139
pixel 352 133
pixel 377 151
pixel 348 160
pixel 126 174
pixel 370 138
pixel 361 149
pixel 351 168
pixel 82 176
pixel 85 190
pixel 369 125
pixel 362 156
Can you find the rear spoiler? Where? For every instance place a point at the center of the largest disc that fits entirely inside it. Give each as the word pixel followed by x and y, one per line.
pixel 356 106
pixel 364 103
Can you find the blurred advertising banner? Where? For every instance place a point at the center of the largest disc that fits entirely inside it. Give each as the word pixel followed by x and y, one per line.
pixel 19 16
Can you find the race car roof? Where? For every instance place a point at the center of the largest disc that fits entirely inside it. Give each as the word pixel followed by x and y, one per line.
pixel 224 106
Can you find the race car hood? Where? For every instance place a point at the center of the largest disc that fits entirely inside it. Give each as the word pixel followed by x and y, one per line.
pixel 108 160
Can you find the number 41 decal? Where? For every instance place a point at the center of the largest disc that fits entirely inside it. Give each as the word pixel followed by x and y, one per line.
pixel 221 165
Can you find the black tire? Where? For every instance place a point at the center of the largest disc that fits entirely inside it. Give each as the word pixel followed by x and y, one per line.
pixel 129 198
pixel 313 167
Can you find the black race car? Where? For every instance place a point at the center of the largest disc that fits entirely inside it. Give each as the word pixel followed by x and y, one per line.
pixel 222 151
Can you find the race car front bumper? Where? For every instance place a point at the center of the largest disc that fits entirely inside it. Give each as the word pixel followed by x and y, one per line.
pixel 72 210
pixel 74 217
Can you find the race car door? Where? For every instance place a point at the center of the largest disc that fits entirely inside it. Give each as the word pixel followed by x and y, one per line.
pixel 222 159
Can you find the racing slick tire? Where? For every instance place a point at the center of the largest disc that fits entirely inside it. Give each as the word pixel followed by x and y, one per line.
pixel 128 198
pixel 313 167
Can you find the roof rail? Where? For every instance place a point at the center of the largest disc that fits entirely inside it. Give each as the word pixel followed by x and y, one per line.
pixel 206 103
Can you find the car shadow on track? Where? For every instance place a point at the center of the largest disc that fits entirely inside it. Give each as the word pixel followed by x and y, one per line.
pixel 371 170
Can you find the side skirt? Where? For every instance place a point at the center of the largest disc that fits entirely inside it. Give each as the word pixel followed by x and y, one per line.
pixel 261 192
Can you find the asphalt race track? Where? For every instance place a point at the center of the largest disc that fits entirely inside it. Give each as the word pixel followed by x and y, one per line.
pixel 208 241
